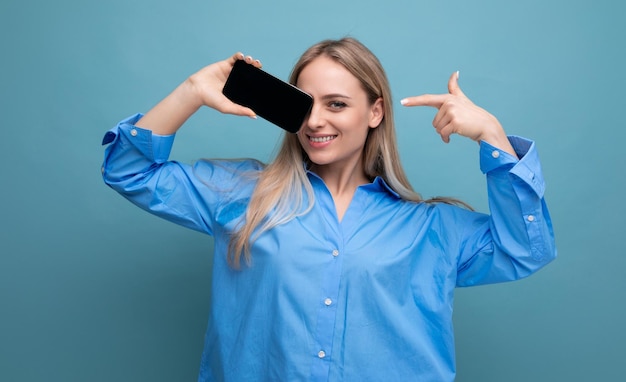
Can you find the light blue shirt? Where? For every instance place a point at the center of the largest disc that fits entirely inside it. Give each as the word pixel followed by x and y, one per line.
pixel 365 299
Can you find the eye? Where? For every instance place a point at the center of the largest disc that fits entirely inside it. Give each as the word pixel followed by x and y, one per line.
pixel 336 105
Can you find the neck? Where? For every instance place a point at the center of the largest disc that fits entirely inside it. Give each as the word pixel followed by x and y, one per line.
pixel 342 181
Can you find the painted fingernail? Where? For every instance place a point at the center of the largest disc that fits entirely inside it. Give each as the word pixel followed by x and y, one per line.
pixel 404 101
pixel 457 74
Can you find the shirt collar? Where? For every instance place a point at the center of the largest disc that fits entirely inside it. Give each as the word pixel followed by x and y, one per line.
pixel 378 185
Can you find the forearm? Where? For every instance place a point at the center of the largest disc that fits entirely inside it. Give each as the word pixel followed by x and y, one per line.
pixel 170 114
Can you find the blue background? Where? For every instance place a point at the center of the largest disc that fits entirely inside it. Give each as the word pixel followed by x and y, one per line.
pixel 92 288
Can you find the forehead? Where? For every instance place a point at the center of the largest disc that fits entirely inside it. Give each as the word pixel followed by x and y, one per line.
pixel 323 75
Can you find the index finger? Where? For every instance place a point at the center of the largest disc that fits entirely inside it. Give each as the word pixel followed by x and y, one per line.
pixel 237 56
pixel 432 100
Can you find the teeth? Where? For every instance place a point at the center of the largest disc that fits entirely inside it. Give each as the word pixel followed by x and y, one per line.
pixel 322 139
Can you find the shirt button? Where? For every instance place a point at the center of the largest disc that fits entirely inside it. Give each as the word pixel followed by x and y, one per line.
pixel 495 153
pixel 530 218
pixel 321 354
pixel 133 132
pixel 328 301
pixel 335 253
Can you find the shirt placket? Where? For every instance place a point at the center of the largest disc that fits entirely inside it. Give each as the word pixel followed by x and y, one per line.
pixel 326 316
pixel 329 292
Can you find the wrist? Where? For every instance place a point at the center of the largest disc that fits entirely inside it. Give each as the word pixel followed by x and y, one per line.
pixel 188 95
pixel 496 137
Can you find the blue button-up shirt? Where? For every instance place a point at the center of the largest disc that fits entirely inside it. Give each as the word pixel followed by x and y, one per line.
pixel 365 299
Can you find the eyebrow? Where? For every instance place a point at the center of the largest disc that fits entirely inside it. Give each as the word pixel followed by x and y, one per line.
pixel 334 95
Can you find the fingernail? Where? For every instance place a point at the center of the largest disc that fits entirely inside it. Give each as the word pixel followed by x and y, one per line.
pixel 241 56
pixel 457 74
pixel 404 101
pixel 252 116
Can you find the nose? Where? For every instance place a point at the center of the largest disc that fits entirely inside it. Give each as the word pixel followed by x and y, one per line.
pixel 315 118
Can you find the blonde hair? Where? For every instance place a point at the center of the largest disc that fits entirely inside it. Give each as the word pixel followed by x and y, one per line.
pixel 279 195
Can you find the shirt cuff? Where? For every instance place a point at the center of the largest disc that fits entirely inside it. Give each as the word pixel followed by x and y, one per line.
pixel 492 158
pixel 527 168
pixel 162 146
pixel 154 146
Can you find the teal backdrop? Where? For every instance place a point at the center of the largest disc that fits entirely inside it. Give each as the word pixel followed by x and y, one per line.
pixel 94 289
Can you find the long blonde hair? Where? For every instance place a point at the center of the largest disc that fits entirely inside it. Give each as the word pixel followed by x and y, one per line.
pixel 279 195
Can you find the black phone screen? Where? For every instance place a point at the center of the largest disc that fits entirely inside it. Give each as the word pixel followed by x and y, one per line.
pixel 271 98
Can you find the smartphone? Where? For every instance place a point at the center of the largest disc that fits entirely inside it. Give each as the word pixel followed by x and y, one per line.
pixel 276 101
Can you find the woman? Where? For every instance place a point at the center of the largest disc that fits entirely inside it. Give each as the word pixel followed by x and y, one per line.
pixel 328 266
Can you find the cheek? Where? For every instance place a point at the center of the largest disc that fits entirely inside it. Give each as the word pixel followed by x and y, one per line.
pixel 361 124
pixel 351 121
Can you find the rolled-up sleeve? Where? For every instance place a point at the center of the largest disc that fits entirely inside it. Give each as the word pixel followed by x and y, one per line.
pixel 517 238
pixel 136 166
pixel 127 141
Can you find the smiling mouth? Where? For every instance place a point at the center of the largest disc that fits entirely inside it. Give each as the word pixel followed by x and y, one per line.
pixel 322 139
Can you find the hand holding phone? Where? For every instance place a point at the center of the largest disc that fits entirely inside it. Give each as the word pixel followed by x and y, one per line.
pixel 271 98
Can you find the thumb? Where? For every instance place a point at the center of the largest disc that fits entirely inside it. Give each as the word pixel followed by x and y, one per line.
pixel 229 107
pixel 243 111
pixel 453 85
